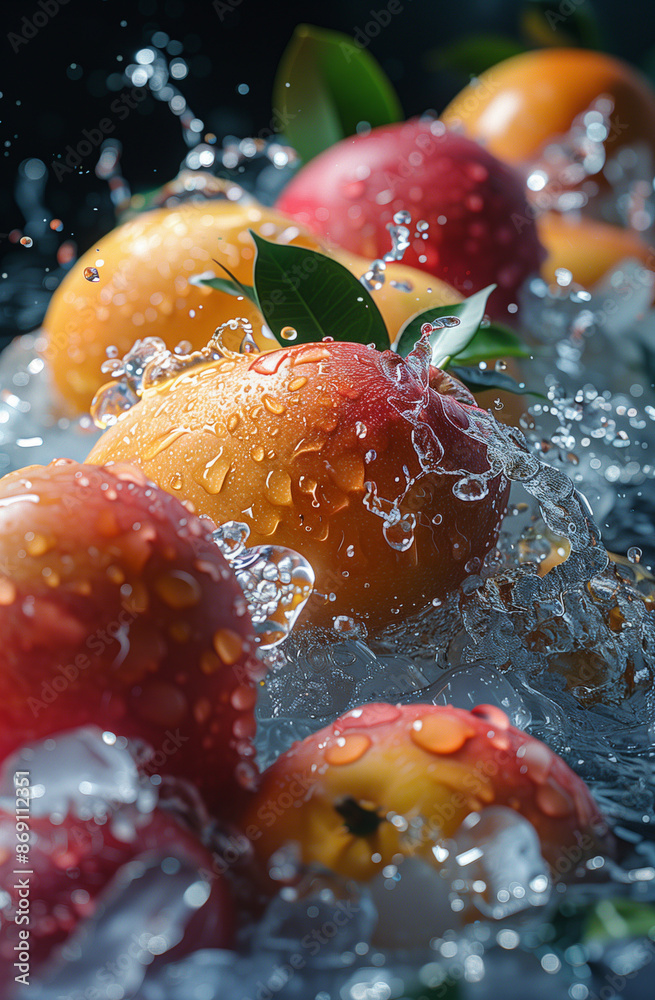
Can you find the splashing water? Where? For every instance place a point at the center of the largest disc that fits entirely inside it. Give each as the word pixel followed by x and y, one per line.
pixel 277 582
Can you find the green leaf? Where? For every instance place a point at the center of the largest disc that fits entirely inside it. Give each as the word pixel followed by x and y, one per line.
pixel 315 295
pixel 452 340
pixel 478 380
pixel 472 54
pixel 326 84
pixel 231 288
pixel 493 341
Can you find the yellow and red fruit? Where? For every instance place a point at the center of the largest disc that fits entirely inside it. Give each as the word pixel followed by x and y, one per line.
pixel 520 105
pixel 337 792
pixel 474 206
pixel 346 454
pixel 118 610
pixel 144 288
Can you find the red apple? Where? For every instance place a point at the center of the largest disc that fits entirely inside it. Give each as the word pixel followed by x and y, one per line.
pixel 479 227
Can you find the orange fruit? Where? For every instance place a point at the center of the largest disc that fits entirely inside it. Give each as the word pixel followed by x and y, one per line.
pixel 521 104
pixel 144 287
pixel 338 451
pixel 587 248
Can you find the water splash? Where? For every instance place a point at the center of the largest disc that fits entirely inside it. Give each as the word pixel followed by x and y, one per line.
pixel 277 582
pixel 148 363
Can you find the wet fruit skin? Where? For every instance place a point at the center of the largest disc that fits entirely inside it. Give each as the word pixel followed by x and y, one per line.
pixel 518 106
pixel 143 288
pixel 289 443
pixel 336 792
pixel 71 867
pixel 588 248
pixel 117 609
pixel 350 193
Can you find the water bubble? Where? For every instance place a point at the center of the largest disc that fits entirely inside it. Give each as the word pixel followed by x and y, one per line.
pixel 634 554
pixel 471 488
pixel 26 241
pixel 56 225
pixel 403 218
pixel 288 333
pixel 91 274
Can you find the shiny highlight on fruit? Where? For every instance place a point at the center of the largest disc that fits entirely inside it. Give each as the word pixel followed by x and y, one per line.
pixel 359 460
pixel 117 609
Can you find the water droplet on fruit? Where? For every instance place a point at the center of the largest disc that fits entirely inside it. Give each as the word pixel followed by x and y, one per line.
pixel 288 333
pixel 228 645
pixel 178 589
pixel 440 734
pixel 249 345
pixel 91 274
pixel 361 429
pixel 400 536
pixel 212 475
pixel 471 488
pixel 273 405
pixel 347 749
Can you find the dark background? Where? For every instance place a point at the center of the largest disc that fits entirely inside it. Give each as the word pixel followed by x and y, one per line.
pixel 59 82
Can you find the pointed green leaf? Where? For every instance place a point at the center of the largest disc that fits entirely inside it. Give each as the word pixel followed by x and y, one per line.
pixel 326 84
pixel 493 341
pixel 315 295
pixel 450 341
pixel 230 288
